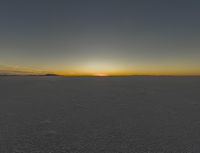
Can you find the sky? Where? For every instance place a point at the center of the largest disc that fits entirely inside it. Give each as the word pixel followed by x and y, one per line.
pixel 100 37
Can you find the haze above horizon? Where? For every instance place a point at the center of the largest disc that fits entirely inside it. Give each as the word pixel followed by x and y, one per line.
pixel 100 38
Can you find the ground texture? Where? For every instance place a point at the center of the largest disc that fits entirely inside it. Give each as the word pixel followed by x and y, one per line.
pixel 99 115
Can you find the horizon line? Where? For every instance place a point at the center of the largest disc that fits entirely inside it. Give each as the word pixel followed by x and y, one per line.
pixel 132 75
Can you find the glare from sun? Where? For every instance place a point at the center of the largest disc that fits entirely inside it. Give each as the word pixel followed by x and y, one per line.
pixel 101 74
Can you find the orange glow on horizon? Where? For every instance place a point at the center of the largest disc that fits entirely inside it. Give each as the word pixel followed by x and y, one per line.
pixel 157 73
pixel 100 71
pixel 101 74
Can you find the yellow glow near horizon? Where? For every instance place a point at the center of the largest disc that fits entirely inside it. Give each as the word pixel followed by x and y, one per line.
pixel 103 68
pixel 101 74
pixel 99 67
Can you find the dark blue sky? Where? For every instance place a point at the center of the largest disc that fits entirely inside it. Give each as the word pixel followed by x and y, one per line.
pixel 104 36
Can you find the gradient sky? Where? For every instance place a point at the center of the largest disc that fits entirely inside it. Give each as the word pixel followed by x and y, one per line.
pixel 97 37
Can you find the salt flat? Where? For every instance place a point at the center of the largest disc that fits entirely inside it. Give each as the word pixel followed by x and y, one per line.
pixel 99 114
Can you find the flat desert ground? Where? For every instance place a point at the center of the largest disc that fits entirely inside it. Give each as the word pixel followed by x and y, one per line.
pixel 99 114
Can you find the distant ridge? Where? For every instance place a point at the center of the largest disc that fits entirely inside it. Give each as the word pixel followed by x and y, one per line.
pixel 29 75
pixel 54 75
pixel 51 74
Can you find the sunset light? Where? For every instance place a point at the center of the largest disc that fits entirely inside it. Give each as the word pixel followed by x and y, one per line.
pixel 101 74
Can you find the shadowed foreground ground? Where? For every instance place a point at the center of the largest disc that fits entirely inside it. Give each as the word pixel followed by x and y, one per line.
pixel 99 115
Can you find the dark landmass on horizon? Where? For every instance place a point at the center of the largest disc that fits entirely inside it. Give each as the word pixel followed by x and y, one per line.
pixel 57 75
pixel 30 75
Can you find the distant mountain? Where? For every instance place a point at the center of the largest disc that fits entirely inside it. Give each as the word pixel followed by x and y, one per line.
pixel 20 70
pixel 51 75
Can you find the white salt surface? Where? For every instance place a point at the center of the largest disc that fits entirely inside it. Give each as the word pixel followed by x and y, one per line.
pixel 99 115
